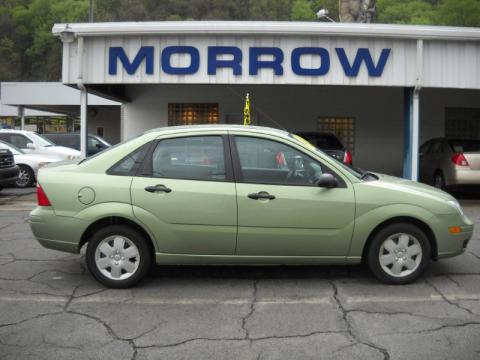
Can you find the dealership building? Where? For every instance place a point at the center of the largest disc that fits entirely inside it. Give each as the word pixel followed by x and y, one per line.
pixel 382 89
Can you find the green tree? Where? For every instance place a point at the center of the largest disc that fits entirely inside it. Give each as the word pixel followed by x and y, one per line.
pixel 302 10
pixel 458 13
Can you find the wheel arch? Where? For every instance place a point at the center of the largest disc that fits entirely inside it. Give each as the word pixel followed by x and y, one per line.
pixel 115 220
pixel 404 219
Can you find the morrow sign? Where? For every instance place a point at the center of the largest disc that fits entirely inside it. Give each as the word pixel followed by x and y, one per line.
pixel 231 57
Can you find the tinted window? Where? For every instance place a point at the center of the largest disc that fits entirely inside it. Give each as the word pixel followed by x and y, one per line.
pixel 271 162
pixel 196 158
pixel 17 140
pixel 437 147
pixel 425 148
pixel 464 145
pixel 129 163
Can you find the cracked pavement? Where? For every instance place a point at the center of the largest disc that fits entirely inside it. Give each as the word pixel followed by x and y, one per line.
pixel 50 307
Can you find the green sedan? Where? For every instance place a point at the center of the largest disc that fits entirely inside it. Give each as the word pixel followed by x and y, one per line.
pixel 225 194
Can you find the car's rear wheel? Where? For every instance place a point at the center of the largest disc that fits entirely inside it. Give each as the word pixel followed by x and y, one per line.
pixel 398 253
pixel 26 177
pixel 439 180
pixel 118 256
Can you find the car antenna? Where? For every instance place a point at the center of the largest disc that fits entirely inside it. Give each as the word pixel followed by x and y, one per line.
pixel 236 93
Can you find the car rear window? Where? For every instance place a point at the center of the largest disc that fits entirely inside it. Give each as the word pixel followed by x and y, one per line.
pixel 465 145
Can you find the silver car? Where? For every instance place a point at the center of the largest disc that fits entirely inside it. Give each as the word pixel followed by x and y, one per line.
pixel 450 163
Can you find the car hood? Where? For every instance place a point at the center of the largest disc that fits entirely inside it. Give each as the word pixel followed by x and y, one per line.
pixel 413 187
pixel 60 150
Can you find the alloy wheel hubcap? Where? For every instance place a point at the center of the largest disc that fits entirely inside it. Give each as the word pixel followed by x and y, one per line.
pixel 23 178
pixel 117 257
pixel 400 255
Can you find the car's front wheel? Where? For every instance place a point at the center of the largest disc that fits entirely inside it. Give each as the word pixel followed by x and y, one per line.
pixel 398 253
pixel 118 256
pixel 26 177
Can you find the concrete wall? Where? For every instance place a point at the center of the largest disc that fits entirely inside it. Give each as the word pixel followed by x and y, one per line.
pixel 433 104
pixel 107 117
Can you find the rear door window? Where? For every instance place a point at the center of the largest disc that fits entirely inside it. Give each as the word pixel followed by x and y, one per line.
pixel 190 158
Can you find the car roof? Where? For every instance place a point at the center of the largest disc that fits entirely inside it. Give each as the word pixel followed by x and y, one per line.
pixel 224 127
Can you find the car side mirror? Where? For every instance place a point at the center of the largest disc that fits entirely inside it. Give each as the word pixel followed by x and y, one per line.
pixel 327 181
pixel 31 146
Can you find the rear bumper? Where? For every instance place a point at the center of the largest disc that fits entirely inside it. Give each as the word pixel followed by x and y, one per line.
pixel 8 175
pixel 61 233
pixel 465 177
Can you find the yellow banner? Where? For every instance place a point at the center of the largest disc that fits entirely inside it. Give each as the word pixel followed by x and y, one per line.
pixel 246 112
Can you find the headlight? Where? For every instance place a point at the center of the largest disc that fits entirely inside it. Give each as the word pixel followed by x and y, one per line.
pixel 42 164
pixel 456 205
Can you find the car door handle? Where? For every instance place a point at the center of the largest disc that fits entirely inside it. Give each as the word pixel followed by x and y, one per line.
pixel 158 188
pixel 261 195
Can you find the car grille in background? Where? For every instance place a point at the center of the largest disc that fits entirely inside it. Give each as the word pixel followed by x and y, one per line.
pixel 6 160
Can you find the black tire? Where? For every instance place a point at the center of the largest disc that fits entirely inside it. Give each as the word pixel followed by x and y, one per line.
pixel 439 180
pixel 144 259
pixel 373 253
pixel 26 177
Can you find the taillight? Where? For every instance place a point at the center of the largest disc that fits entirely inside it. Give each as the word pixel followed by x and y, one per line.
pixel 459 159
pixel 42 198
pixel 347 159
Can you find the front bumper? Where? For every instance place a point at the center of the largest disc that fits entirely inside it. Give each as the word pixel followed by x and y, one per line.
pixel 8 175
pixel 449 244
pixel 55 232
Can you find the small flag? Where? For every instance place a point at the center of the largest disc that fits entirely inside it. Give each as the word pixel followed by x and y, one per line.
pixel 246 111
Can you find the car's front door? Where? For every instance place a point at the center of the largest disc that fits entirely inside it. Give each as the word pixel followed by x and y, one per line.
pixel 281 210
pixel 186 195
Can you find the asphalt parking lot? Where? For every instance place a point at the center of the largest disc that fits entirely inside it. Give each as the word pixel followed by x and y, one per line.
pixel 50 307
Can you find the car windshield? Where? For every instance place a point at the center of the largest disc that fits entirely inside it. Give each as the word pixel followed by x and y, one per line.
pixel 465 145
pixel 12 148
pixel 358 173
pixel 40 140
pixel 102 140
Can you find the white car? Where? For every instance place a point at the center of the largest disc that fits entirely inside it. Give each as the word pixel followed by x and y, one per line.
pixel 32 143
pixel 28 164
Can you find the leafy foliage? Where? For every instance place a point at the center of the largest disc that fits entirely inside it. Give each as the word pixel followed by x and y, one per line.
pixel 28 50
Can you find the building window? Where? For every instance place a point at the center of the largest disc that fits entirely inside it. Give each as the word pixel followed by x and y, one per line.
pixel 462 123
pixel 342 127
pixel 192 113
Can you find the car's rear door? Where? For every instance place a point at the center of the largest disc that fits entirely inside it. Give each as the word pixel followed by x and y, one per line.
pixel 186 195
pixel 281 211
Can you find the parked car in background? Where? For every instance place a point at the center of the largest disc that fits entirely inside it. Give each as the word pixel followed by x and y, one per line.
pixel 8 169
pixel 450 163
pixel 226 194
pixel 28 164
pixel 95 144
pixel 31 142
pixel 329 144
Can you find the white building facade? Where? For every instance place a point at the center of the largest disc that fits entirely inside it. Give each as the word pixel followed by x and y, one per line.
pixel 383 89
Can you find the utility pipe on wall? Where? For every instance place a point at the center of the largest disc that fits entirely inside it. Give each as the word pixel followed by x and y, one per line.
pixel 415 128
pixel 83 99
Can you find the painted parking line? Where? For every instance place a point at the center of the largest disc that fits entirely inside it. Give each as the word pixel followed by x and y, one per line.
pixel 202 301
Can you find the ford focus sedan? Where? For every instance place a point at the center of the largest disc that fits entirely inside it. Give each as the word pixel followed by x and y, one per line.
pixel 239 195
